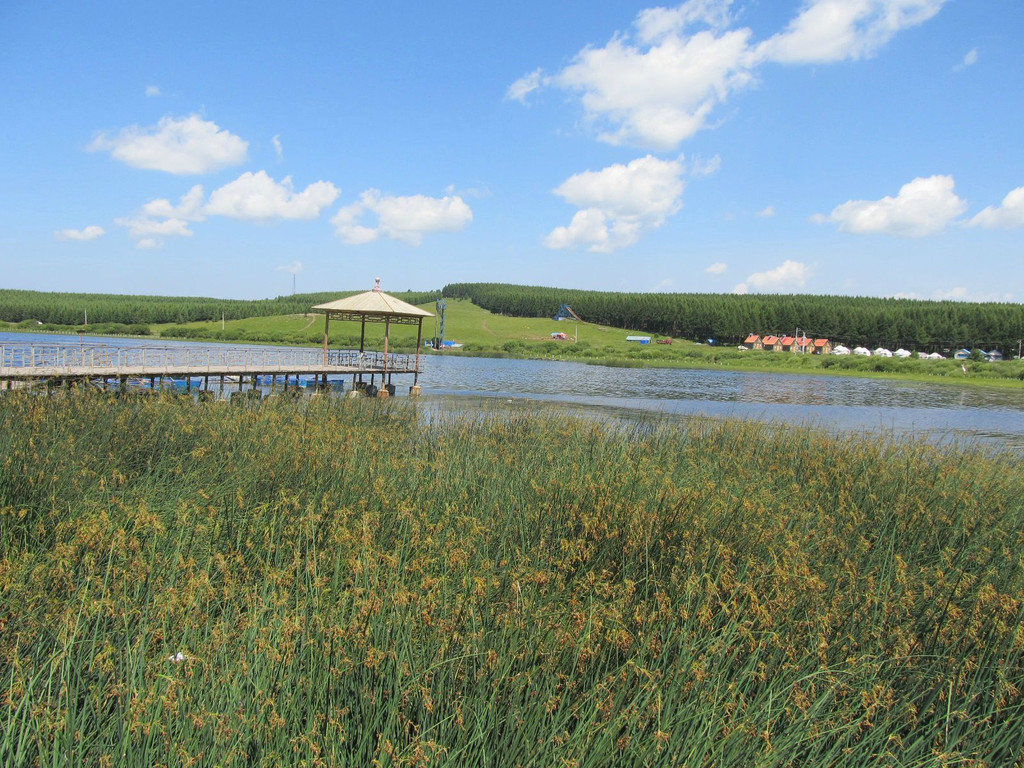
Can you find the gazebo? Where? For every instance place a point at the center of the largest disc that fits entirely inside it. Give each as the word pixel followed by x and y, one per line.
pixel 375 307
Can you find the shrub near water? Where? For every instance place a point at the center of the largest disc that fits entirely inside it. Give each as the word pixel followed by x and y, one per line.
pixel 328 582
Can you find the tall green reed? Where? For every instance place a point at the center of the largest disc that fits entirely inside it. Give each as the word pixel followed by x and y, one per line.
pixel 323 582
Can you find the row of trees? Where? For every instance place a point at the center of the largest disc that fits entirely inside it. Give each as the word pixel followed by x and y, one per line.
pixel 79 308
pixel 728 318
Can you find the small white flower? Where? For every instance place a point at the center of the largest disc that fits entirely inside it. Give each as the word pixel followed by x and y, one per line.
pixel 177 658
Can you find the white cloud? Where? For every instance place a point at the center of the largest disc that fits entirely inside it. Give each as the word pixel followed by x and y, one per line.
pixel 658 86
pixel 257 196
pixel 189 208
pixel 619 203
pixel 292 269
pixel 827 31
pixel 1008 215
pixel 141 227
pixel 953 294
pixel 924 206
pixel 655 24
pixel 278 149
pixel 700 166
pixel 88 233
pixel 405 219
pixel 660 94
pixel 960 293
pixel 187 145
pixel 970 59
pixel 251 196
pixel 717 268
pixel 788 276
pixel 767 212
pixel 152 90
pixel 160 218
pixel 524 86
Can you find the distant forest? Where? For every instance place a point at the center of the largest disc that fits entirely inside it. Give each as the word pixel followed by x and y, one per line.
pixel 74 308
pixel 729 318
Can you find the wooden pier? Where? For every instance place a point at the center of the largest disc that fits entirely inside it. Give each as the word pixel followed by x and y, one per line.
pixel 51 364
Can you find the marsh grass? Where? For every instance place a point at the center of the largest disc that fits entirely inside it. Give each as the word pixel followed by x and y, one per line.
pixel 329 582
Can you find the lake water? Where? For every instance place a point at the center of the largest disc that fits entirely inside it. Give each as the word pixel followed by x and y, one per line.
pixel 938 412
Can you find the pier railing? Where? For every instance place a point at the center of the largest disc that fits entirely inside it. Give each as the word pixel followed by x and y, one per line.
pixel 77 358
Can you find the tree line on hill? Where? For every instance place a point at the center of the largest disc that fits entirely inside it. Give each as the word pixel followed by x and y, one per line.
pixel 729 318
pixel 94 308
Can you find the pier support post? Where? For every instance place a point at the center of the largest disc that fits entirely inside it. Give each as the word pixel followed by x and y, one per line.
pixel 419 343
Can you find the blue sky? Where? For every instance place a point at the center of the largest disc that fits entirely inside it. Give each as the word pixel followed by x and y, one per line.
pixel 861 147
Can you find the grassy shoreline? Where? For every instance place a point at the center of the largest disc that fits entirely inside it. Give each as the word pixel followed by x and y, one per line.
pixel 334 582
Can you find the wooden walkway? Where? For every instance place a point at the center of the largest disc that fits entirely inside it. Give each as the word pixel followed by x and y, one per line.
pixel 58 363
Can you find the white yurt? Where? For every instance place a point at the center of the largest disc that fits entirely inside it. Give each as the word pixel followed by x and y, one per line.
pixel 936 356
pixel 840 350
pixel 862 351
pixel 901 352
pixel 882 352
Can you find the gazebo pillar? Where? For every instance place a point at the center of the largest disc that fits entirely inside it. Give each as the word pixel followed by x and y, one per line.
pixel 376 307
pixel 327 325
